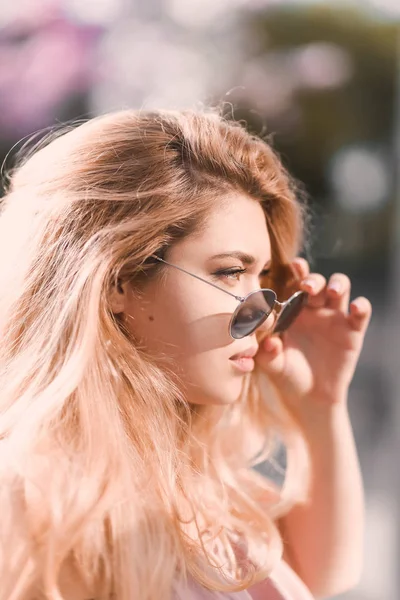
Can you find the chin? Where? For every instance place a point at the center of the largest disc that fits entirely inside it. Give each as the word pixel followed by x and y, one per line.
pixel 214 384
pixel 226 395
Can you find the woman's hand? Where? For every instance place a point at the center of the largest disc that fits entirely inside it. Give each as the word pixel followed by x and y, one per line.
pixel 315 359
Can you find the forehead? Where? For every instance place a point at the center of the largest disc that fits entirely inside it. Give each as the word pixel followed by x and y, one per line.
pixel 237 223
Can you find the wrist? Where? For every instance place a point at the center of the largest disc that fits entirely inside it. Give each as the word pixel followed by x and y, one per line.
pixel 326 421
pixel 329 398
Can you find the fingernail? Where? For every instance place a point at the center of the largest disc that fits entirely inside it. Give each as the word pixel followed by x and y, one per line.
pixel 310 283
pixel 335 287
pixel 358 305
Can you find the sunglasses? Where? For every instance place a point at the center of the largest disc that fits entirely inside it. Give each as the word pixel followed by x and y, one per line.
pixel 255 308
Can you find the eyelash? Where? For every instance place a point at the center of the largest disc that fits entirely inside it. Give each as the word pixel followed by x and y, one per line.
pixel 233 272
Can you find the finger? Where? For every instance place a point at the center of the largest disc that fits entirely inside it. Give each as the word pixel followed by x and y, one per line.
pixel 360 314
pixel 301 267
pixel 270 355
pixel 338 292
pixel 315 285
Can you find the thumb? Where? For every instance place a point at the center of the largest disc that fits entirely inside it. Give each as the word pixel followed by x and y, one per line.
pixel 270 355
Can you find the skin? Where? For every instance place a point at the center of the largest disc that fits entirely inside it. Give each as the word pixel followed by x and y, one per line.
pixel 187 320
pixel 311 365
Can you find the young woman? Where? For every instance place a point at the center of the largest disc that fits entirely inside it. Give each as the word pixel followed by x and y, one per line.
pixel 158 335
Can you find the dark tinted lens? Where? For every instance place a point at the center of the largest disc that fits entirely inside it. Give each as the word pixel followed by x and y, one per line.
pixel 290 312
pixel 252 313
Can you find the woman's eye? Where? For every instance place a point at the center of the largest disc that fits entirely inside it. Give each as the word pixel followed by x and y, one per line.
pixel 230 273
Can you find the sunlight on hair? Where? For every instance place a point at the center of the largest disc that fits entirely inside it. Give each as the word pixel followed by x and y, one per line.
pixel 108 473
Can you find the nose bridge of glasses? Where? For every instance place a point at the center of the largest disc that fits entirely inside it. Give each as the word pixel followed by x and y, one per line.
pixel 279 306
pixel 289 301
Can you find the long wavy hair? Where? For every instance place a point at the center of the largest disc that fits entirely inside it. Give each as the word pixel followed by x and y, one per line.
pixel 108 477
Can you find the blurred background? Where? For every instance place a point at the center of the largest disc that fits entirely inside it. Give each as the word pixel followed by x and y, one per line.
pixel 324 79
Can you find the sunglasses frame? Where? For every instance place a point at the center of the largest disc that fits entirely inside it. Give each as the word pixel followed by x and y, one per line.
pixel 278 307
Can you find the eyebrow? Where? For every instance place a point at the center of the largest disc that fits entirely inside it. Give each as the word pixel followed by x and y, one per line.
pixel 247 259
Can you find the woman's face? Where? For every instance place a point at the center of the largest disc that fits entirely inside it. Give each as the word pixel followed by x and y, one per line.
pixel 186 320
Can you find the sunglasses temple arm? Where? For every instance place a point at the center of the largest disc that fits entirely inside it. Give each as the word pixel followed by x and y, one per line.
pixel 239 298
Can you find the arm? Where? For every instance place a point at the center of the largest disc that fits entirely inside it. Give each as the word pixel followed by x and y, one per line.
pixel 311 367
pixel 324 539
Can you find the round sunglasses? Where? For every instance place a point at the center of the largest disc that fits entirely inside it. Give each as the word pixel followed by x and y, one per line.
pixel 255 308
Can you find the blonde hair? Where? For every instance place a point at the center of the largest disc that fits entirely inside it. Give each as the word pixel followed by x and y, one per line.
pixel 108 476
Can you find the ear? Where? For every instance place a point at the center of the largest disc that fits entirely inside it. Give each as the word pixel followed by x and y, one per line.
pixel 118 297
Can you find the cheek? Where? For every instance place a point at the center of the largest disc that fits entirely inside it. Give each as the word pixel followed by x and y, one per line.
pixel 193 334
pixel 182 322
pixel 209 378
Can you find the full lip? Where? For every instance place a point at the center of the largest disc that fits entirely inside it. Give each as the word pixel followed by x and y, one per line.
pixel 249 353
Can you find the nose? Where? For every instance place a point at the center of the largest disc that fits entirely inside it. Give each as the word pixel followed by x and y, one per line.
pixel 266 328
pixel 268 325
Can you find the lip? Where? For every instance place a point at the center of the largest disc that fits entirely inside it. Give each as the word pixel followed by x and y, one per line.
pixel 249 353
pixel 246 365
pixel 244 361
